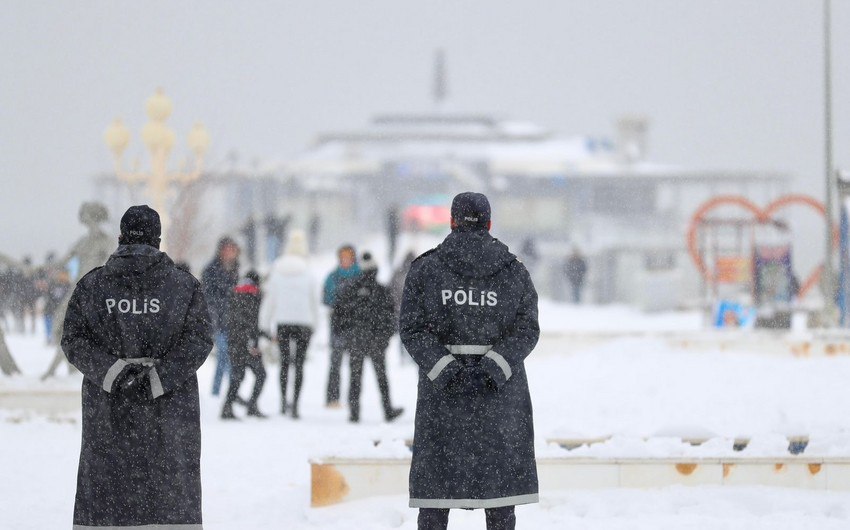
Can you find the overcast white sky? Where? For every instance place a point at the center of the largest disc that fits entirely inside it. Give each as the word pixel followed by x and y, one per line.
pixel 727 83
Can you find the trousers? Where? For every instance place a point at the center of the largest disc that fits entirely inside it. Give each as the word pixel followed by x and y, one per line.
pixel 222 362
pixel 337 349
pixel 357 355
pixel 237 374
pixel 293 342
pixel 502 518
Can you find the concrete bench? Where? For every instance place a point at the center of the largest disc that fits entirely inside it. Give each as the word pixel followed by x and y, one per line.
pixel 335 480
pixel 40 400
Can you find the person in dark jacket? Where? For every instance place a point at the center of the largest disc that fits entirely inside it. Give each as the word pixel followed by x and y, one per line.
pixel 469 320
pixel 219 279
pixel 334 283
pixel 575 268
pixel 138 329
pixel 243 335
pixel 56 290
pixel 364 317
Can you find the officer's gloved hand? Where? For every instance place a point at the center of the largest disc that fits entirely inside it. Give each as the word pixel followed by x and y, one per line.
pixel 134 383
pixel 470 381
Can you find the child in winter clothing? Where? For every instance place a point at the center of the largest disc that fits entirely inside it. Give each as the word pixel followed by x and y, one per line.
pixel 243 334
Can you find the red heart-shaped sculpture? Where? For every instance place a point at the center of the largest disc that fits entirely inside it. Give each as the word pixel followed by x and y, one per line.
pixel 762 216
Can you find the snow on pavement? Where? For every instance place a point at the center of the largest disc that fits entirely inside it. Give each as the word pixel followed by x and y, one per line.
pixel 256 473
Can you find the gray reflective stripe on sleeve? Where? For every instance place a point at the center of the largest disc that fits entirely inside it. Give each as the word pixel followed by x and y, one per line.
pixel 468 349
pixel 503 364
pixel 142 527
pixel 112 374
pixel 440 366
pixel 475 503
pixel 156 383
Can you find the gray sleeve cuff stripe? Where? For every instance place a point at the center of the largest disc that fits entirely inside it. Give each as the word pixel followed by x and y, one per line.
pixel 112 374
pixel 156 383
pixel 503 364
pixel 440 366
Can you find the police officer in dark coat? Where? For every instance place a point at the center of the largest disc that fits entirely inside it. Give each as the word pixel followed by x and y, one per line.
pixel 364 315
pixel 469 319
pixel 138 329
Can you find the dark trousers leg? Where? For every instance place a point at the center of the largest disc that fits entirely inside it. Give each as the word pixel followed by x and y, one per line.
pixel 256 366
pixel 379 362
pixel 237 374
pixel 502 518
pixel 283 345
pixel 433 519
pixel 302 342
pixel 356 364
pixel 335 368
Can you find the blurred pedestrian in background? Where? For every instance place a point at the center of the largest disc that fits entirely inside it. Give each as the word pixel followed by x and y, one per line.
pixel 575 269
pixel 397 290
pixel 393 228
pixel 26 295
pixel 243 336
pixel 289 313
pixel 56 289
pixel 346 271
pixel 364 315
pixel 219 279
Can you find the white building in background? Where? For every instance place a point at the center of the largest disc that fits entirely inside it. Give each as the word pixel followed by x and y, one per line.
pixel 627 215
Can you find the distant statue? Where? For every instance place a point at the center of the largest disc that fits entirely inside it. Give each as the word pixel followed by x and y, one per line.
pixel 90 251
pixel 7 362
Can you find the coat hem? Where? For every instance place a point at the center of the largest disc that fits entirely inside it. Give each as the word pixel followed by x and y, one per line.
pixel 475 503
pixel 141 527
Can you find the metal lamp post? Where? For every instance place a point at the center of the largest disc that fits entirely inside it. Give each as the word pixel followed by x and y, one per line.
pixel 159 140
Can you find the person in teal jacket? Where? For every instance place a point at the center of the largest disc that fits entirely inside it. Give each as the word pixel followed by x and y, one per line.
pixel 347 271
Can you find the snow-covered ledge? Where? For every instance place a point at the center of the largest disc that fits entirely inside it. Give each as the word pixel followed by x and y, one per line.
pixel 336 480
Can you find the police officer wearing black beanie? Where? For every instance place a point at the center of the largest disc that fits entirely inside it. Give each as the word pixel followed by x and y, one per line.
pixel 469 320
pixel 138 329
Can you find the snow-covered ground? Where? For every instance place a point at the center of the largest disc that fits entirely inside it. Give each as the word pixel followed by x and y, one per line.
pixel 256 474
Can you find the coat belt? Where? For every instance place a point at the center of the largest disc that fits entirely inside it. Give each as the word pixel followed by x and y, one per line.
pixel 468 349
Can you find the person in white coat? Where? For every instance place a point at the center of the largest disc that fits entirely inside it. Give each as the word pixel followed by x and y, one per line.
pixel 289 312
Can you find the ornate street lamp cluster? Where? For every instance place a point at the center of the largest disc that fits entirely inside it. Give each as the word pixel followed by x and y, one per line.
pixel 159 139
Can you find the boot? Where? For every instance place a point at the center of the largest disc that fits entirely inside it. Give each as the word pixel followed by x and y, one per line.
pixel 284 408
pixel 254 411
pixel 393 414
pixel 227 412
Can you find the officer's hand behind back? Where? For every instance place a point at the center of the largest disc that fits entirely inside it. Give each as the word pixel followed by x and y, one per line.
pixel 134 383
pixel 470 381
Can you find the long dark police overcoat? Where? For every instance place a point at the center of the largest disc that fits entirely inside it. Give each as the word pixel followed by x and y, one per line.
pixel 140 459
pixel 471 302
